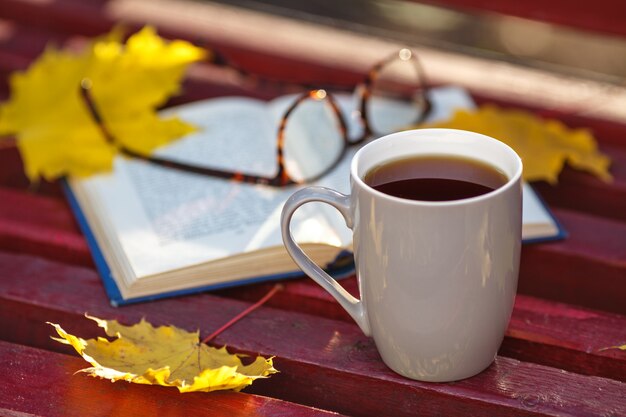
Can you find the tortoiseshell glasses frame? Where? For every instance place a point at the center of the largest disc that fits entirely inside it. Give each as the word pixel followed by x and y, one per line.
pixel 282 177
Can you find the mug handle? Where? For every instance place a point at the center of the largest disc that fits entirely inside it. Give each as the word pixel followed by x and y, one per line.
pixel 341 202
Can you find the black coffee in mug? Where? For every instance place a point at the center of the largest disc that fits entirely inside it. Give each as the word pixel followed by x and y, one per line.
pixel 435 178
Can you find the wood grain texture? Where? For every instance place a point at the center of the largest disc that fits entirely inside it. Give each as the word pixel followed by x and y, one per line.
pixel 44 383
pixel 322 362
pixel 567 337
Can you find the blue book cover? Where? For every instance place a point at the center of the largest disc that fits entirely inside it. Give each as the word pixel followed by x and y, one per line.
pixel 341 267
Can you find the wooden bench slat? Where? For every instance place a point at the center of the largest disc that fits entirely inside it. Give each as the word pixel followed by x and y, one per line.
pixel 541 331
pixel 567 337
pixel 316 356
pixel 54 233
pixel 12 175
pixel 52 214
pixel 43 383
pixel 588 268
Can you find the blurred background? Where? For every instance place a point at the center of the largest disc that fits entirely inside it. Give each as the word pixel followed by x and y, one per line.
pixel 582 44
pixel 562 57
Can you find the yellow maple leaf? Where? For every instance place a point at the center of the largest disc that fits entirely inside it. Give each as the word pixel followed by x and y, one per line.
pixel 56 134
pixel 164 355
pixel 544 145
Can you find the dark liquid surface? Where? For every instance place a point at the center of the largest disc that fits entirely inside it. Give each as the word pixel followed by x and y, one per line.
pixel 435 178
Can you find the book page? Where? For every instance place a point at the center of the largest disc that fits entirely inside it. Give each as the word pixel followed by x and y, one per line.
pixel 166 219
pixel 537 222
pixel 534 211
pixel 235 133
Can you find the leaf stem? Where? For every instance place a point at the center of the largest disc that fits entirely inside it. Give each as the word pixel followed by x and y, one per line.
pixel 244 313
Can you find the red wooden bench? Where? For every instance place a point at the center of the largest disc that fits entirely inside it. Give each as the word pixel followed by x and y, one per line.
pixel 572 294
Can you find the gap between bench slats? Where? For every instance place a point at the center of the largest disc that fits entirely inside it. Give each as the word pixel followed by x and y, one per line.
pixel 323 363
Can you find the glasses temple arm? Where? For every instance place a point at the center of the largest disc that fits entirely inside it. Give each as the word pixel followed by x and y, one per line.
pixel 278 180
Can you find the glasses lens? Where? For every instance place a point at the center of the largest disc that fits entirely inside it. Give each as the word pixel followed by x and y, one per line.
pixel 397 98
pixel 313 140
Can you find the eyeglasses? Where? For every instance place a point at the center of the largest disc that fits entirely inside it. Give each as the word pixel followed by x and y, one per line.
pixel 314 133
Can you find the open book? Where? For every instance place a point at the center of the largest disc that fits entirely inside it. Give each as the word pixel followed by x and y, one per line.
pixel 158 232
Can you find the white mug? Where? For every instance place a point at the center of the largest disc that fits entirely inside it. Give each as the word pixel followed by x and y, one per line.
pixel 437 280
